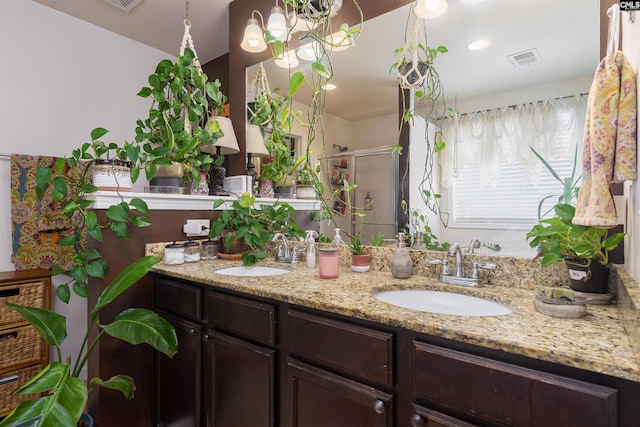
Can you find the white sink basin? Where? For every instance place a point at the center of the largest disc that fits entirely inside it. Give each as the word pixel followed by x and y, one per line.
pixel 252 271
pixel 443 303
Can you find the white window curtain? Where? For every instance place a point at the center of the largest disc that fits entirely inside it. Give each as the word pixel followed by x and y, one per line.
pixel 488 138
pixel 489 175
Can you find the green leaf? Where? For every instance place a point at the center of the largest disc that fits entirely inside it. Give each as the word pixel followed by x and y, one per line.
pixel 295 82
pixel 43 176
pixel 140 221
pixel 63 407
pixel 52 326
pixel 246 200
pixel 321 70
pixel 140 205
pixel 612 242
pixel 63 293
pixel 95 269
pixel 118 212
pixel 122 383
pixel 124 280
pixel 67 241
pixel 98 133
pixel 137 326
pixel 120 229
pixel 81 289
pixel 145 92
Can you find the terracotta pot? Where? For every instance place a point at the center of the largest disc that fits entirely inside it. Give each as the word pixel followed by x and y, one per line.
pixel 360 263
pixel 593 279
pixel 236 247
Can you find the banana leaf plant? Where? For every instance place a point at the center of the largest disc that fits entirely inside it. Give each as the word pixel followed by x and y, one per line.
pixel 64 395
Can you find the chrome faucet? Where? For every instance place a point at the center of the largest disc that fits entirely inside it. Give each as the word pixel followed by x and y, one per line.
pixel 284 251
pixel 458 267
pixel 473 245
pixel 458 277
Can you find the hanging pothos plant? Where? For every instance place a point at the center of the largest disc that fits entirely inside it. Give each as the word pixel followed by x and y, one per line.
pixel 418 76
pixel 319 15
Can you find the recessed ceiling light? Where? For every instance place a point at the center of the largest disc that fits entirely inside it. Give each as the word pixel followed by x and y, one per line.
pixel 329 86
pixel 478 44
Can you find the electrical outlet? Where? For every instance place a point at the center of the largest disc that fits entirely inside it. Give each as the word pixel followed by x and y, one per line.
pixel 196 227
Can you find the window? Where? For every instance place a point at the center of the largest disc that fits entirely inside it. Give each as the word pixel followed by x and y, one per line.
pixel 492 177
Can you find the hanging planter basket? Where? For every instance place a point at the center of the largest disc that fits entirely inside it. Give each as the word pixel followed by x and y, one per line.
pixel 259 87
pixel 315 9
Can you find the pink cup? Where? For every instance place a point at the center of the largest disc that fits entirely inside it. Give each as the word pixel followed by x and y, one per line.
pixel 328 261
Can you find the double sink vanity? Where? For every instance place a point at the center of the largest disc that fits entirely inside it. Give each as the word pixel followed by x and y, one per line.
pixel 275 345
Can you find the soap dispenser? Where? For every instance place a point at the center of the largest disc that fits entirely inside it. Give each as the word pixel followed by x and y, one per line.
pixel 401 260
pixel 337 239
pixel 311 248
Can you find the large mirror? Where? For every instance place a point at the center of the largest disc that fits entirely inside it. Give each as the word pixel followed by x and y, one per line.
pixel 557 44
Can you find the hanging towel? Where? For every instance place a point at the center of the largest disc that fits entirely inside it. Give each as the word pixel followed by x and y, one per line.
pixel 610 140
pixel 36 225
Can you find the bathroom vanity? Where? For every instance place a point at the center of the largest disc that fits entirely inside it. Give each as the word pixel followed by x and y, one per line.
pixel 295 350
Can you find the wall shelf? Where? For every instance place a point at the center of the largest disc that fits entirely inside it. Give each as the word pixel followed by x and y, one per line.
pixel 181 202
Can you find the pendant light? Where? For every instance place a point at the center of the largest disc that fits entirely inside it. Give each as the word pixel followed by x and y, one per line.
pixel 253 40
pixel 277 24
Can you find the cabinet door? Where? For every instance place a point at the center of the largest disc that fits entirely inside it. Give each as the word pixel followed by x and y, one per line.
pixel 317 398
pixel 178 380
pixel 239 388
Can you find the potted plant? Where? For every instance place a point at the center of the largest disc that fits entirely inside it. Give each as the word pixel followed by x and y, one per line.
pixel 304 184
pixel 178 125
pixel 65 395
pixel 585 249
pixel 252 229
pixel 360 261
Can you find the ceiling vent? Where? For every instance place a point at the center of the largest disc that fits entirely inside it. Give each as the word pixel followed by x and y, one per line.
pixel 525 58
pixel 126 5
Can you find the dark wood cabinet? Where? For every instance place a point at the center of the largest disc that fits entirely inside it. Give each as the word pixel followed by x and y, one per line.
pixel 268 363
pixel 496 393
pixel 317 398
pixel 178 380
pixel 239 383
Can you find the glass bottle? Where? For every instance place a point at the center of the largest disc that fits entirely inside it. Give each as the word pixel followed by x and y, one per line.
pixel 174 254
pixel 401 264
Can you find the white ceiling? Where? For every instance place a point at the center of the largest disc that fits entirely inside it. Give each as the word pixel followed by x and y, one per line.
pixel 159 23
pixel 565 33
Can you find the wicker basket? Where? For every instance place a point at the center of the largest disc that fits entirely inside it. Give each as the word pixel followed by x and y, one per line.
pixel 26 294
pixel 19 345
pixel 12 381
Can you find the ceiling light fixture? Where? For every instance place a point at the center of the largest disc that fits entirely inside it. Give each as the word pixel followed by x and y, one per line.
pixel 338 41
pixel 309 51
pixel 428 9
pixel 288 59
pixel 253 39
pixel 478 44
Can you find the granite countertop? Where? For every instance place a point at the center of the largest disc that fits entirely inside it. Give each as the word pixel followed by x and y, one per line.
pixel 597 342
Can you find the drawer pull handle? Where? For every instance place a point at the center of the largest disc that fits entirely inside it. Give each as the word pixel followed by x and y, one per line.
pixel 417 421
pixel 9 379
pixel 9 292
pixel 8 336
pixel 378 406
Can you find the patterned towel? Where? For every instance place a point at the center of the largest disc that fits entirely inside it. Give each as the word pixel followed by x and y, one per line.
pixel 36 226
pixel 610 141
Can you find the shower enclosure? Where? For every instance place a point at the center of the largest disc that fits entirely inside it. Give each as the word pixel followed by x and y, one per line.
pixel 375 173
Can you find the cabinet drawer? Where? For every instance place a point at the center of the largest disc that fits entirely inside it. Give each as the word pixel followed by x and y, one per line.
pixel 25 294
pixel 10 382
pixel 348 348
pixel 506 394
pixel 20 345
pixel 244 317
pixel 177 297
